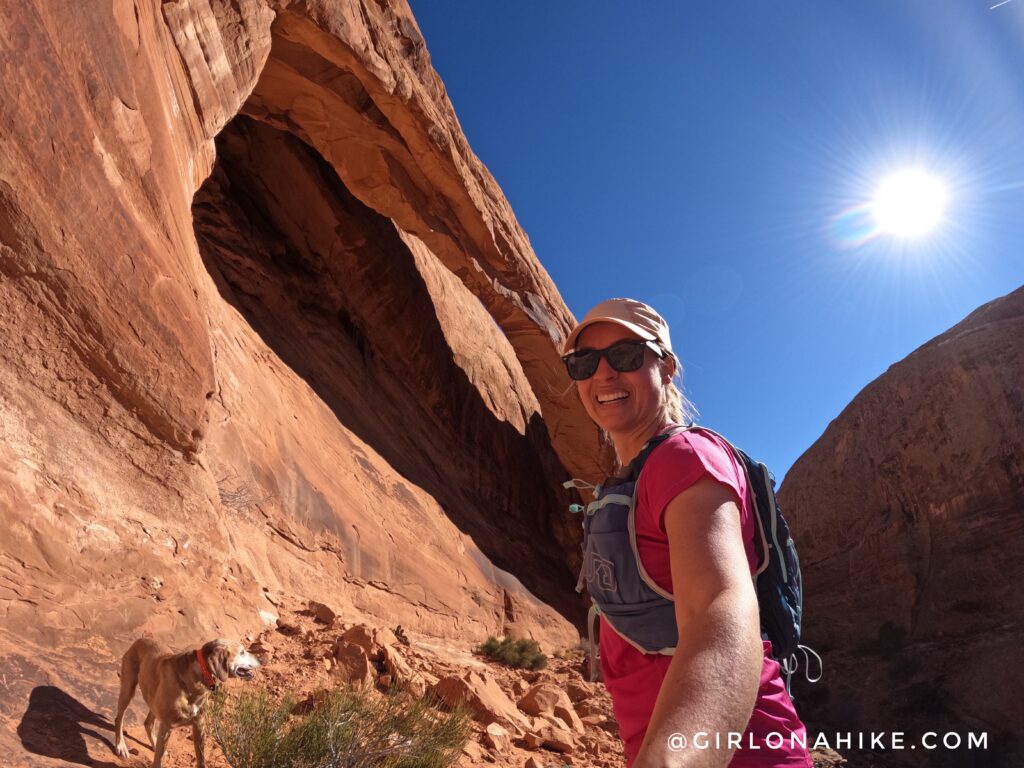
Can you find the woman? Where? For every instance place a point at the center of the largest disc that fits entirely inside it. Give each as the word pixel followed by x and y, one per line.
pixel 694 533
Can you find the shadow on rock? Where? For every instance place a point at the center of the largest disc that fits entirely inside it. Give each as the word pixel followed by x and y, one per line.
pixel 56 724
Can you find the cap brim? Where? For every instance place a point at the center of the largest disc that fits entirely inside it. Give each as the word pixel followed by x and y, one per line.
pixel 570 343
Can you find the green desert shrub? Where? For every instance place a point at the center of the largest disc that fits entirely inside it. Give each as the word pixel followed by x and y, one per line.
pixel 341 729
pixel 522 654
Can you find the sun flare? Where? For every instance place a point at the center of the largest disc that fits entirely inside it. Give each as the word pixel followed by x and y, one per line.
pixel 909 203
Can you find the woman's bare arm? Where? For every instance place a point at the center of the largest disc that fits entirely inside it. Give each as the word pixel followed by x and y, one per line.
pixel 712 681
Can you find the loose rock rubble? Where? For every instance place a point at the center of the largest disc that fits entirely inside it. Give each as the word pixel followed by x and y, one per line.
pixel 521 719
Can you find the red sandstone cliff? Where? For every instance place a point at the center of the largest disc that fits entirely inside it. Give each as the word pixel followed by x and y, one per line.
pixel 909 513
pixel 269 329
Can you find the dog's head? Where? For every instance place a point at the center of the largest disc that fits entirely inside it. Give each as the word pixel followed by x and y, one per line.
pixel 229 659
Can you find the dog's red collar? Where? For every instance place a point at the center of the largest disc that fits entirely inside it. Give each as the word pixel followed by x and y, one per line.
pixel 208 679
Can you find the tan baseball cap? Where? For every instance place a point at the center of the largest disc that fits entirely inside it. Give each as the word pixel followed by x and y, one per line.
pixel 634 315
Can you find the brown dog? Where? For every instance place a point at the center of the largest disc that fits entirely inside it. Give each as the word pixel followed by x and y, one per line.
pixel 176 686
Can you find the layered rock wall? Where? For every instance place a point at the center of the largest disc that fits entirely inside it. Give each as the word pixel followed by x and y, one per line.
pixel 269 329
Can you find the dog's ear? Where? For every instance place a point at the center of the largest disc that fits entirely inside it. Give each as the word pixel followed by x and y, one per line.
pixel 217 653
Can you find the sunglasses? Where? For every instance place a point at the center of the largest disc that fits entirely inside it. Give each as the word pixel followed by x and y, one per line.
pixel 623 356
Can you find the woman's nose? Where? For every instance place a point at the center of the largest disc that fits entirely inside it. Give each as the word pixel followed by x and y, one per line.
pixel 604 369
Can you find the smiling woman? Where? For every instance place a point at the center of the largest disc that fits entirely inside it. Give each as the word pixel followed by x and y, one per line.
pixel 669 557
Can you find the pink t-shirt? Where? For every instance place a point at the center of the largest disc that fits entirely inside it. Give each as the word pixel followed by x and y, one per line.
pixel 633 678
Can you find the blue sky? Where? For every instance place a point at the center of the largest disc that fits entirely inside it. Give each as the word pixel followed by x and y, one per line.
pixel 709 158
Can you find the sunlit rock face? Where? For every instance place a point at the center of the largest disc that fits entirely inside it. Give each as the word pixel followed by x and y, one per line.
pixel 909 513
pixel 270 329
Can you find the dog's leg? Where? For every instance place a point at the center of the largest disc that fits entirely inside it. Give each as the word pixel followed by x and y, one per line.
pixel 197 737
pixel 163 731
pixel 129 679
pixel 149 729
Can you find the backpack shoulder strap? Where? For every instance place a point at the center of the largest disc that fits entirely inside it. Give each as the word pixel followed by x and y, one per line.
pixel 633 471
pixel 755 473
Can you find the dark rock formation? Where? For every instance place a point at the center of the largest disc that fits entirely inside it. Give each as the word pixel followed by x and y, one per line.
pixel 909 513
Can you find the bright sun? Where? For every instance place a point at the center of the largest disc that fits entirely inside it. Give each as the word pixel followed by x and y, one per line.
pixel 909 203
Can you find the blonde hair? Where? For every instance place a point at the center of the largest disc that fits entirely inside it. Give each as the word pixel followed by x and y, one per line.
pixel 675 406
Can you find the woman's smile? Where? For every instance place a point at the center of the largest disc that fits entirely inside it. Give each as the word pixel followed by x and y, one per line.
pixel 612 398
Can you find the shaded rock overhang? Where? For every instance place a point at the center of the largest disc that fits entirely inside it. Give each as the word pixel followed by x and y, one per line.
pixel 362 94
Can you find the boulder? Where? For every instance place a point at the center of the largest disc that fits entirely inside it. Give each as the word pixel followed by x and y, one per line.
pixel 551 734
pixel 288 628
pixel 480 694
pixel 353 666
pixel 401 674
pixel 593 706
pixel 568 716
pixel 549 699
pixel 578 690
pixel 322 612
pixel 472 754
pixel 542 698
pixel 372 640
pixel 497 737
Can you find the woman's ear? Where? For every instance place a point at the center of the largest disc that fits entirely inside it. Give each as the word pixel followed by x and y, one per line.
pixel 668 369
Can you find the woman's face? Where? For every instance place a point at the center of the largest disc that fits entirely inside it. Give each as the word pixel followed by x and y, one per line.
pixel 619 402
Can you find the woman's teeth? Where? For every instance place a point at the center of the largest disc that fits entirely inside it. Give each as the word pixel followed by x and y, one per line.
pixel 612 397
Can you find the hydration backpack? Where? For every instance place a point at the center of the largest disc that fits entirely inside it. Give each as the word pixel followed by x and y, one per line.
pixel 636 607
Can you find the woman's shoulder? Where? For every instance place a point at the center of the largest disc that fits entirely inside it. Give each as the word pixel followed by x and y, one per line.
pixel 682 459
pixel 679 462
pixel 693 446
pixel 674 465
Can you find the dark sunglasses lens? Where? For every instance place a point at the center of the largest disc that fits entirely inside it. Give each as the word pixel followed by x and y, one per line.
pixel 626 357
pixel 623 357
pixel 582 365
